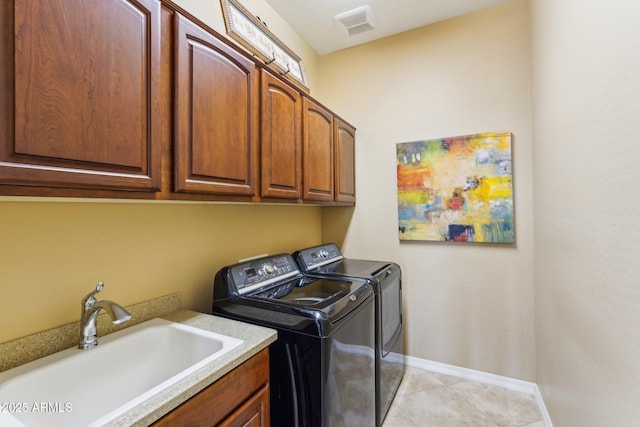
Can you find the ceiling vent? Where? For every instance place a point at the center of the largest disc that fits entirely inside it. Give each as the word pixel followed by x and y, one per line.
pixel 358 20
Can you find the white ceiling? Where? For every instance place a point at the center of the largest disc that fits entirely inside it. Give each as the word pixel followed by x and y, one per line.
pixel 314 20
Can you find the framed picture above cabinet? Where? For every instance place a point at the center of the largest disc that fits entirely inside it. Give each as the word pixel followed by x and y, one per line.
pixel 253 35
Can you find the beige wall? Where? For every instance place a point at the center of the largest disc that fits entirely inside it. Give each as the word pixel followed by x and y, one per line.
pixel 586 85
pixel 53 253
pixel 466 305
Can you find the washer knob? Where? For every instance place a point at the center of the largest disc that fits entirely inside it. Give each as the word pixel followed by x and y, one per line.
pixel 324 253
pixel 268 269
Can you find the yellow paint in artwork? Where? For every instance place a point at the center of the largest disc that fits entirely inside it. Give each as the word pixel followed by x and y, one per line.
pixel 492 188
pixel 500 141
pixel 408 197
pixel 479 201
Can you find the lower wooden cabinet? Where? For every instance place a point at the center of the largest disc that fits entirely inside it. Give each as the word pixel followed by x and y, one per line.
pixel 240 398
pixel 254 413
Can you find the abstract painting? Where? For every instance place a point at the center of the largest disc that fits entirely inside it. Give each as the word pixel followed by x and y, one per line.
pixel 456 189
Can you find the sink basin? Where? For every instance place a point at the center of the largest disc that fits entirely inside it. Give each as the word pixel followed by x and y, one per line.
pixel 93 387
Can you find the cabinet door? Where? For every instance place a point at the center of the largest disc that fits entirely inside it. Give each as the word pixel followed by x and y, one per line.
pixel 216 123
pixel 80 85
pixel 253 413
pixel 317 152
pixel 281 140
pixel 345 162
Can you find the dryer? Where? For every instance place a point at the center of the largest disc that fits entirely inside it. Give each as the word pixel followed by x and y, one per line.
pixel 385 278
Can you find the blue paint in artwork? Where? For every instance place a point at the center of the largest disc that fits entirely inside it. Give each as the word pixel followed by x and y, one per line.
pixel 406 213
pixel 503 168
pixel 502 163
pixel 461 233
pixel 435 205
pixel 498 232
pixel 483 157
pixel 501 210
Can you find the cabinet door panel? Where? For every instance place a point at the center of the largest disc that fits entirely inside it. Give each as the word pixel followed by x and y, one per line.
pixel 345 162
pixel 281 139
pixel 216 115
pixel 80 103
pixel 253 413
pixel 317 152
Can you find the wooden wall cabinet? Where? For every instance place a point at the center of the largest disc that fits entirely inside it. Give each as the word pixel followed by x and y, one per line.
pixel 216 115
pixel 153 102
pixel 80 86
pixel 345 166
pixel 328 156
pixel 281 139
pixel 240 398
pixel 318 152
pixel 324 150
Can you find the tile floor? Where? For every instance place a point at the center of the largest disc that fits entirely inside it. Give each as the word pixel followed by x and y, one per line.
pixel 428 399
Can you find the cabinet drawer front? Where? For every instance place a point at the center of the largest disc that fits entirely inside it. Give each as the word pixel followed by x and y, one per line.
pixel 83 105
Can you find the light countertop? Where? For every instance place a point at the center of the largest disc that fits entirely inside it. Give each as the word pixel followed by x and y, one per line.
pixel 255 339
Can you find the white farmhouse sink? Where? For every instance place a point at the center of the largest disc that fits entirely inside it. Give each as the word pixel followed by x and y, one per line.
pixel 93 387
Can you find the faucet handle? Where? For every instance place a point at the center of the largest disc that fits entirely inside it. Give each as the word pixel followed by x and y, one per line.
pixel 90 300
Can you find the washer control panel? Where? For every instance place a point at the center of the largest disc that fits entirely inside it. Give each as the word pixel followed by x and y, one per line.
pixel 251 275
pixel 315 257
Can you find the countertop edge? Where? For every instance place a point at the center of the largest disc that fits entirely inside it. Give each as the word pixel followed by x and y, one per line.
pixel 256 338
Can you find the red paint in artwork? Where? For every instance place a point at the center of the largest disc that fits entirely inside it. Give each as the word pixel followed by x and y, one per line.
pixel 456 202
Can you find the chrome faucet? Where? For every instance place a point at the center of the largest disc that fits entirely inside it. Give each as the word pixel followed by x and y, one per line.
pixel 90 309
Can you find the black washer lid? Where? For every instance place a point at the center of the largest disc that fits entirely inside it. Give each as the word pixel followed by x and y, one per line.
pixel 352 268
pixel 329 298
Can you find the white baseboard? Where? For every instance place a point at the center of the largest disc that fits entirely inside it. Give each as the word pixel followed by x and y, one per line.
pixel 484 378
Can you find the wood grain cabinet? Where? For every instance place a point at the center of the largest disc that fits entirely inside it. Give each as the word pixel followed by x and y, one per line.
pixel 318 152
pixel 328 156
pixel 80 87
pixel 240 398
pixel 216 115
pixel 281 139
pixel 345 146
pixel 139 95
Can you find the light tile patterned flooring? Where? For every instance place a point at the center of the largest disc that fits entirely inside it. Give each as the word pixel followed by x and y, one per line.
pixel 429 399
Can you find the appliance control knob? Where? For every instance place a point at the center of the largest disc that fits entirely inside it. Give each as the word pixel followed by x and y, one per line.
pixel 324 253
pixel 268 269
